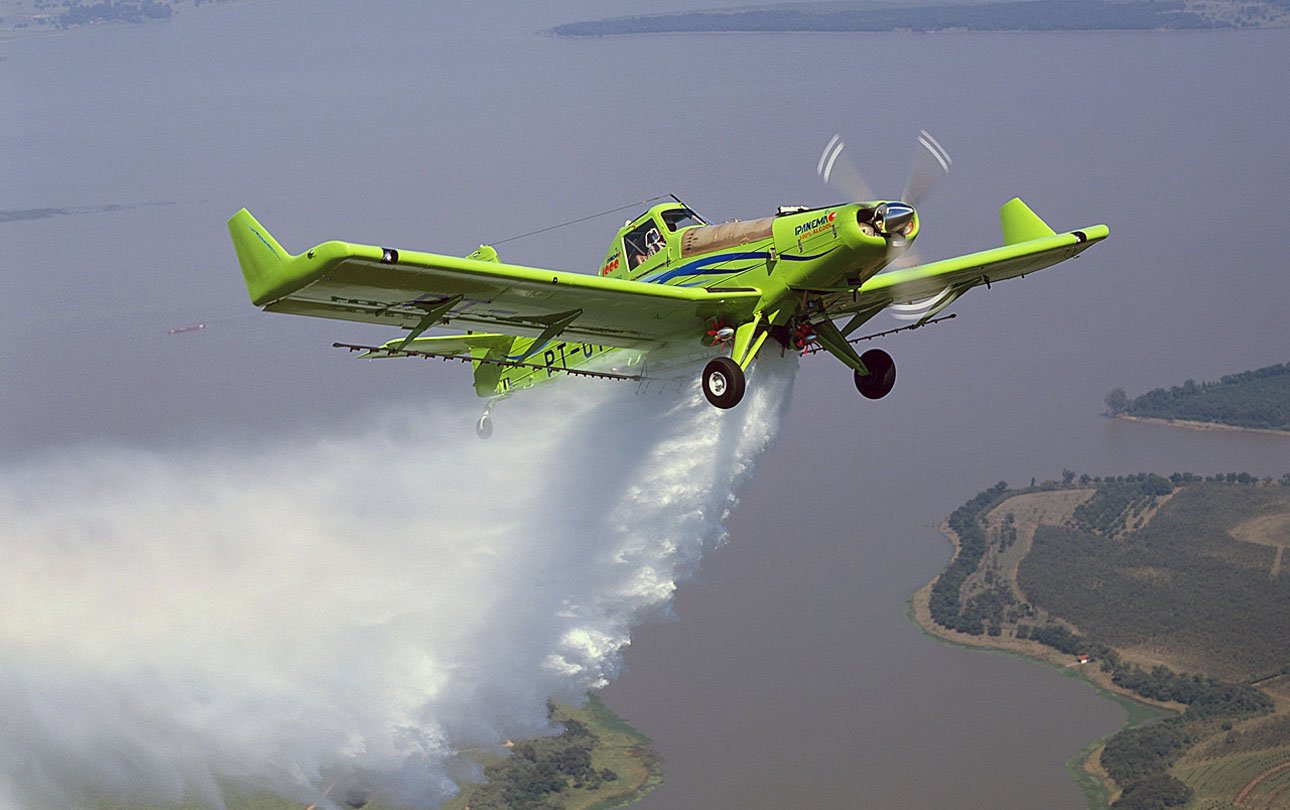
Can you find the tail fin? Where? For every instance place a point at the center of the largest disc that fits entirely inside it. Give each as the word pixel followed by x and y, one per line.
pixel 259 254
pixel 1020 224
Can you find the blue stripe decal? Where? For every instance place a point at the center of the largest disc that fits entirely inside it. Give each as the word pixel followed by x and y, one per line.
pixel 697 267
pixel 265 241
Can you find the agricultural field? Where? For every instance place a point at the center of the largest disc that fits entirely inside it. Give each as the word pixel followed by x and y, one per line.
pixel 1166 590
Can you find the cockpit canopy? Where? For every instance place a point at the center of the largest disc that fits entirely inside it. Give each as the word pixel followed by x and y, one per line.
pixel 646 237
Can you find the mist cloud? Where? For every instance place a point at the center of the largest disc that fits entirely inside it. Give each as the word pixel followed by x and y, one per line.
pixel 367 605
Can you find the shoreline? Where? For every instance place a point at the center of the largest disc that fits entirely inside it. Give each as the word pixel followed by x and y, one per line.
pixel 1084 767
pixel 1192 424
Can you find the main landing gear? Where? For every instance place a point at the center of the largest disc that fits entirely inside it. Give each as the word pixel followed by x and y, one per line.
pixel 723 382
pixel 881 377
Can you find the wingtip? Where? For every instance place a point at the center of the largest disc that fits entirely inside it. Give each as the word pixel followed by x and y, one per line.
pixel 1020 224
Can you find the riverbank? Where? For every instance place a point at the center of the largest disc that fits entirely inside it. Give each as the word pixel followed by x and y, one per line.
pixel 1191 424
pixel 1120 560
pixel 1084 766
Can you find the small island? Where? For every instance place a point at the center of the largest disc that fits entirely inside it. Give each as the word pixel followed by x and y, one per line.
pixel 597 762
pixel 1009 15
pixel 1169 592
pixel 1252 400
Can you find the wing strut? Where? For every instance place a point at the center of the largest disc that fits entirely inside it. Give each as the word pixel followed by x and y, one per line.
pixel 555 324
pixel 434 314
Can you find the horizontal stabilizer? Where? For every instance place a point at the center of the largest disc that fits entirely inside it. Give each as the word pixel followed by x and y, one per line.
pixel 1020 224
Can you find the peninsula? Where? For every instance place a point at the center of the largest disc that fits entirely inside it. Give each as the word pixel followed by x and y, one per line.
pixel 1167 591
pixel 597 762
pixel 1252 400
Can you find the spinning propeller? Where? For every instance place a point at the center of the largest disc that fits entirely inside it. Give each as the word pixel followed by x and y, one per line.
pixel 892 219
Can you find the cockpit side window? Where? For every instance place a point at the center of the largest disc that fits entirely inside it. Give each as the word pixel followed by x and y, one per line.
pixel 642 242
pixel 678 218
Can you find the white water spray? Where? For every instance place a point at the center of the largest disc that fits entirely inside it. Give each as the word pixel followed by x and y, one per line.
pixel 376 603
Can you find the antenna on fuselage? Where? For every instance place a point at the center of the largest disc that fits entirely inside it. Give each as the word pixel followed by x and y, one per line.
pixel 635 205
pixel 690 208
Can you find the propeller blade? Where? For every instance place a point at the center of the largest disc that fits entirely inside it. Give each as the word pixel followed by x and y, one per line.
pixel 916 310
pixel 931 163
pixel 838 171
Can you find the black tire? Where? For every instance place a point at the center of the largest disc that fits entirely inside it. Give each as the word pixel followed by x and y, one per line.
pixel 882 374
pixel 484 427
pixel 723 382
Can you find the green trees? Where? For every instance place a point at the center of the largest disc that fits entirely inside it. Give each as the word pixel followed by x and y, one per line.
pixel 1254 399
pixel 540 769
pixel 945 603
pixel 1156 792
pixel 1117 402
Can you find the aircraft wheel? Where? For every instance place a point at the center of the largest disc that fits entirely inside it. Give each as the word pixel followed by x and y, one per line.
pixel 484 427
pixel 882 374
pixel 723 382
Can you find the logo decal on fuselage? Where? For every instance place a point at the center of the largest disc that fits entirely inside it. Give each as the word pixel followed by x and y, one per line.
pixel 611 265
pixel 817 226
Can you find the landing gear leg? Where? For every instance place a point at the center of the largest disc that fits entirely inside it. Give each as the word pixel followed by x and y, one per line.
pixel 723 382
pixel 881 377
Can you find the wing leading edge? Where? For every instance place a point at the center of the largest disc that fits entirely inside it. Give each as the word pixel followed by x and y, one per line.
pixel 413 290
pixel 1030 245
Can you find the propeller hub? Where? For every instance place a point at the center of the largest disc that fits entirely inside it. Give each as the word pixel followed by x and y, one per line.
pixel 894 219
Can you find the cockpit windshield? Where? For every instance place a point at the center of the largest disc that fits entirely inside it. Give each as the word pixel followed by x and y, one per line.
pixel 642 242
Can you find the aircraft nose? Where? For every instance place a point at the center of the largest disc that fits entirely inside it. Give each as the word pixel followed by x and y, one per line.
pixel 895 218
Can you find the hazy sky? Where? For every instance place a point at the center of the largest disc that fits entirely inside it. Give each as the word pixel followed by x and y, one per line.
pixel 247 467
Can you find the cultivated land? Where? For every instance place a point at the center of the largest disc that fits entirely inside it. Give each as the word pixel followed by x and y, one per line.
pixel 598 763
pixel 1010 15
pixel 1174 590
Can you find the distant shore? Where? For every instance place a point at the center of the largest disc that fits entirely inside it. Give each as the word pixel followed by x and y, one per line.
pixel 1191 424
pixel 19 20
pixel 994 15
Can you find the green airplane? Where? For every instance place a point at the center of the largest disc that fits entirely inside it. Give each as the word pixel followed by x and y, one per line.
pixel 672 290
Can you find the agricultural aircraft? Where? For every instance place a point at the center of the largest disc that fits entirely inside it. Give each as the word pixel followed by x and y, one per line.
pixel 672 290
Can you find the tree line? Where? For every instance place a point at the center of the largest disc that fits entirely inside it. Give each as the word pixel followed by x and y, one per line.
pixel 1254 399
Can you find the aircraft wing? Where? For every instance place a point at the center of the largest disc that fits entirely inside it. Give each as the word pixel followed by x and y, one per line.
pixel 415 291
pixel 1030 245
